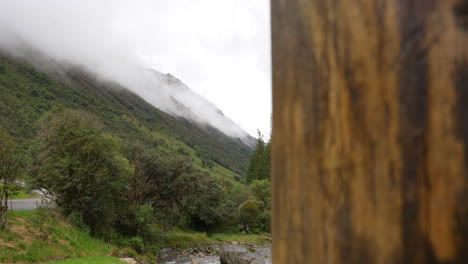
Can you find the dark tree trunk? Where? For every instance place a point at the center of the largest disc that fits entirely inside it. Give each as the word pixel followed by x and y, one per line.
pixel 3 210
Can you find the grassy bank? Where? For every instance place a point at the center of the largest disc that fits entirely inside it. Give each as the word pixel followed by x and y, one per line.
pixel 184 239
pixel 25 195
pixel 88 260
pixel 20 241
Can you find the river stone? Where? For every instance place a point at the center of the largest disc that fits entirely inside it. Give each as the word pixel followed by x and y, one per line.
pixel 129 260
pixel 239 255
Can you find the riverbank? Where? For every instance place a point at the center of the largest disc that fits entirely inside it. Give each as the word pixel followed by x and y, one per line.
pixel 210 253
pixel 191 239
pixel 20 242
pixel 182 247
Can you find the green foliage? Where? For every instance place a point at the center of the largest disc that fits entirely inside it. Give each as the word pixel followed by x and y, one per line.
pixel 118 167
pixel 136 243
pixel 259 165
pixel 26 95
pixel 83 168
pixel 257 239
pixel 264 222
pixel 209 206
pixel 207 164
pixel 25 194
pixel 256 215
pixel 177 191
pixel 249 212
pixel 10 169
pixel 183 239
pixel 262 191
pixel 146 225
pixel 257 211
pixel 240 193
pixel 44 219
pixel 162 183
pixel 89 260
pixel 66 241
pixel 77 222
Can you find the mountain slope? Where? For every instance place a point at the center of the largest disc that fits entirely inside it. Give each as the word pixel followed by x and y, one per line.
pixel 26 94
pixel 197 109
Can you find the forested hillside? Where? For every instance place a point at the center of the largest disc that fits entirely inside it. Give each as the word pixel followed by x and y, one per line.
pixel 117 167
pixel 28 95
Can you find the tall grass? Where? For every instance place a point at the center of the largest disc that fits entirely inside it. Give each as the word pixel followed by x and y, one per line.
pixel 88 260
pixel 22 243
pixel 184 239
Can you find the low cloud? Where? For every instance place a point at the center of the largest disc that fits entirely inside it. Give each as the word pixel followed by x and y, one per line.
pixel 122 40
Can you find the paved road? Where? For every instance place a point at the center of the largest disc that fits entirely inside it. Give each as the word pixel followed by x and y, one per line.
pixel 24 204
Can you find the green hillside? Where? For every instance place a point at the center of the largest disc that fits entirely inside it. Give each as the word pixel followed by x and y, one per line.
pixel 118 168
pixel 21 241
pixel 28 95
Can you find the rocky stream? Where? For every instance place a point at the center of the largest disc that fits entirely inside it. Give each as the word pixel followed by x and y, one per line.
pixel 232 253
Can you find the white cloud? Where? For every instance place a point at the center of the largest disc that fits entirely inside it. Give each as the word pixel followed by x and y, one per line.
pixel 219 48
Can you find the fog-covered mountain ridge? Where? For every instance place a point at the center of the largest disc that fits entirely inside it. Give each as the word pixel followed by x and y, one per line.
pixel 147 108
pixel 191 106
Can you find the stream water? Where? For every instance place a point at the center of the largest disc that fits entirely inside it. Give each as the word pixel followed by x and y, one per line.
pixel 262 252
pixel 187 260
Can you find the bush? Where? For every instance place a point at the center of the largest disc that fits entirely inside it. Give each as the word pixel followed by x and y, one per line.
pixel 262 191
pixel 77 221
pixel 137 244
pixel 145 221
pixel 250 212
pixel 83 168
pixel 44 219
pixel 265 221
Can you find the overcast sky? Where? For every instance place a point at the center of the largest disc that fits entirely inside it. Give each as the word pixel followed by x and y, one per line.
pixel 219 48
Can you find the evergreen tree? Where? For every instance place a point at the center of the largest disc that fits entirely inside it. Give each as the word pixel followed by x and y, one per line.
pixel 259 165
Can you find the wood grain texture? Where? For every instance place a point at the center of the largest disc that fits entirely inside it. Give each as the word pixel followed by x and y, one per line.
pixel 370 131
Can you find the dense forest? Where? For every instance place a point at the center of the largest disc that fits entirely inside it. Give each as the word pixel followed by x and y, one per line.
pixel 119 168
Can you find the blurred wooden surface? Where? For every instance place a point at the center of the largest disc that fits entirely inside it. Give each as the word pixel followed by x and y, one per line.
pixel 370 131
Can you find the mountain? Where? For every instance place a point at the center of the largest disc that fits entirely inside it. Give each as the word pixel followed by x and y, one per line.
pixel 30 89
pixel 191 106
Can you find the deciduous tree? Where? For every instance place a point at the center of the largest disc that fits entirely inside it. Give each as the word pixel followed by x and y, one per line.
pixel 83 169
pixel 10 169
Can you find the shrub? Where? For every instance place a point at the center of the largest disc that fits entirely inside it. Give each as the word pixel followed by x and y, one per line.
pixel 249 212
pixel 44 219
pixel 145 221
pixel 77 221
pixel 137 244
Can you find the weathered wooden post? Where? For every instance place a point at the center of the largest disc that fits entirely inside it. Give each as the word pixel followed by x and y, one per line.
pixel 370 131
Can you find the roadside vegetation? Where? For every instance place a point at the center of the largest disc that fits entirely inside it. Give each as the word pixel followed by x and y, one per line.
pixel 25 194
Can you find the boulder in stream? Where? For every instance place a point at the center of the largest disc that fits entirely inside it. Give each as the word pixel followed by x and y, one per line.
pixel 239 255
